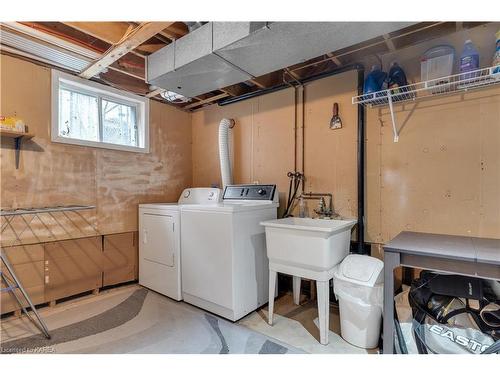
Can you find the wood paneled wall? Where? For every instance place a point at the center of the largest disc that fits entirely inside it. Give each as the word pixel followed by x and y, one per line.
pixel 57 174
pixel 442 177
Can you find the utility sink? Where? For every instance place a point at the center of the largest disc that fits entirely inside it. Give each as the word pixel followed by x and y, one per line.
pixel 315 244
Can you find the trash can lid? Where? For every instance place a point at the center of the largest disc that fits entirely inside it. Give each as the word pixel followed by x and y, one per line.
pixel 361 269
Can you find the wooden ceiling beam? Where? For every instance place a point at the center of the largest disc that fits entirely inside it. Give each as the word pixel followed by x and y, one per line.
pixel 334 59
pixel 205 101
pixel 109 32
pixel 175 31
pixel 257 83
pixel 389 43
pixel 154 92
pixel 139 35
pixel 234 90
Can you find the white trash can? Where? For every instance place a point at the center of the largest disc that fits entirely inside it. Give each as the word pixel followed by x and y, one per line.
pixel 358 285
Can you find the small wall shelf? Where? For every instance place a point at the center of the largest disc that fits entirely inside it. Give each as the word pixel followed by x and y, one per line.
pixel 18 137
pixel 454 84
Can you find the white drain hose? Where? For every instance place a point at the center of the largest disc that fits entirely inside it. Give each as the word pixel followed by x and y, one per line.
pixel 224 151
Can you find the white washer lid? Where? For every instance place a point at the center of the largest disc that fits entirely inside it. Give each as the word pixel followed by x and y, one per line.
pixel 231 206
pixel 361 269
pixel 160 206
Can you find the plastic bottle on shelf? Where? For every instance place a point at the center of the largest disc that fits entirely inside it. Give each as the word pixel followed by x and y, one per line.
pixel 469 60
pixel 496 56
pixel 397 81
pixel 375 81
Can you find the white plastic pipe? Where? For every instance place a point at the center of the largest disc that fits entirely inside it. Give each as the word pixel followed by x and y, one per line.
pixel 224 151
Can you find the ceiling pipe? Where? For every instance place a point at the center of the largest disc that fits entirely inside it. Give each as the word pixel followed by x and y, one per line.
pixel 359 68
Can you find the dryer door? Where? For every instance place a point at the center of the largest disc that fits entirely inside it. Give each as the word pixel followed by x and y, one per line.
pixel 157 239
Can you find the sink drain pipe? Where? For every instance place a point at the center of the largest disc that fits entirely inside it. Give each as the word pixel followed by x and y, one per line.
pixel 360 248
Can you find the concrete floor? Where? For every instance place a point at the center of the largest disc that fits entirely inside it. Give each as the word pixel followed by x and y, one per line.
pixel 131 319
pixel 298 326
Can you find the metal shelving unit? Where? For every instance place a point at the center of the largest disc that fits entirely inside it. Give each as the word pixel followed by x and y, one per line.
pixel 454 84
pixel 41 210
pixel 50 221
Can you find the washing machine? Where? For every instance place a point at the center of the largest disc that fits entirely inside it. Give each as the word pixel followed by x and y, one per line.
pixel 224 261
pixel 160 240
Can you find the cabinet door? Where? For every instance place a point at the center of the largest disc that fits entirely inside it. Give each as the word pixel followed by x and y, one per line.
pixel 27 262
pixel 120 258
pixel 72 267
pixel 157 239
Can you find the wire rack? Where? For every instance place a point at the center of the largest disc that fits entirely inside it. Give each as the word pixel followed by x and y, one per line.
pixel 42 224
pixel 448 85
pixel 440 86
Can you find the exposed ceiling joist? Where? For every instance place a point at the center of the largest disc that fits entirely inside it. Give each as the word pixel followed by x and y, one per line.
pixel 64 44
pixel 389 43
pixel 175 31
pixel 205 101
pixel 139 35
pixel 257 83
pixel 334 59
pixel 110 32
pixel 154 92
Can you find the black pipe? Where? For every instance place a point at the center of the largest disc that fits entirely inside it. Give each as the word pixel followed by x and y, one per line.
pixel 283 86
pixel 361 135
pixel 361 166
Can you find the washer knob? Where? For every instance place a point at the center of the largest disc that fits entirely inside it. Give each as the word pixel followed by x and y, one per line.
pixel 261 191
pixel 187 193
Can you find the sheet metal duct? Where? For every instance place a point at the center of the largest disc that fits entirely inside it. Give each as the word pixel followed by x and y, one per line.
pixel 220 54
pixel 188 66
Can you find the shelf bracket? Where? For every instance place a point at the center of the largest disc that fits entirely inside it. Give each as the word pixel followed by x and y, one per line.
pixel 391 108
pixel 17 146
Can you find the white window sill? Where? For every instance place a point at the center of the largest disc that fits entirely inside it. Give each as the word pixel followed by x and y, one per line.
pixel 103 145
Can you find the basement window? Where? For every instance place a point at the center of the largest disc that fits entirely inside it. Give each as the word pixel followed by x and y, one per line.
pixel 87 113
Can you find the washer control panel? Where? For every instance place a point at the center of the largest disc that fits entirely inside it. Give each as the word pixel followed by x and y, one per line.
pixel 250 192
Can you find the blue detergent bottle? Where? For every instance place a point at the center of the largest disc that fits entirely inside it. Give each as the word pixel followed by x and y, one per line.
pixel 397 82
pixel 375 81
pixel 469 60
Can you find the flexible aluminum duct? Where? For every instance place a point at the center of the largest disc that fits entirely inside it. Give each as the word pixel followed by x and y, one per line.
pixel 224 151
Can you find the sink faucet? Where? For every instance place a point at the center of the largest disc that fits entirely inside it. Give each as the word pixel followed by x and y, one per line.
pixel 322 211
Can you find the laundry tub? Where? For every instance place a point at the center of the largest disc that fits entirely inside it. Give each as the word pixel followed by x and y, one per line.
pixel 358 285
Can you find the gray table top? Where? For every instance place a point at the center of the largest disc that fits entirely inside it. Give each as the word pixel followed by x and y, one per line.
pixel 472 249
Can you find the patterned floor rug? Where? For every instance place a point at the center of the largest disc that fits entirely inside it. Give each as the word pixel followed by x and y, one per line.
pixel 135 320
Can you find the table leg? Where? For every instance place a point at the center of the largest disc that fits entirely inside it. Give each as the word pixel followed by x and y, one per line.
pixel 391 261
pixel 296 289
pixel 323 310
pixel 273 275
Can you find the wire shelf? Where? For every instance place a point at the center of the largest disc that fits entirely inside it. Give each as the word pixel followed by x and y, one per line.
pixel 454 84
pixel 25 226
pixel 441 86
pixel 25 211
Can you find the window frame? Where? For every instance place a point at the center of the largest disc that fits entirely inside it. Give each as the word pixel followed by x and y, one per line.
pixel 79 85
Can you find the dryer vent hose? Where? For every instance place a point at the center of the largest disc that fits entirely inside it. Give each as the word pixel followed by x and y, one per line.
pixel 226 171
